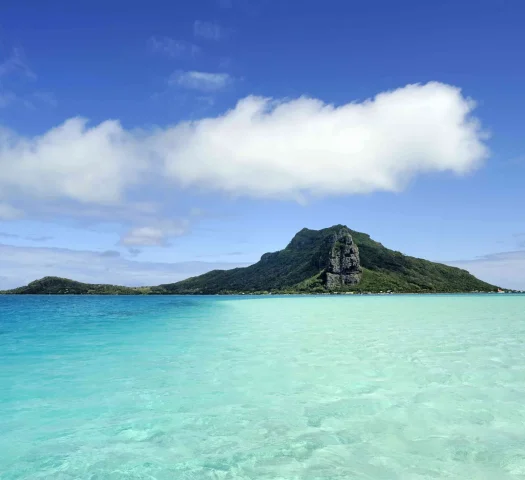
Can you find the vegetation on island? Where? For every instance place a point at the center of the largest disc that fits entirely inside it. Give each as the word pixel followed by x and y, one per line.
pixel 299 268
pixel 65 286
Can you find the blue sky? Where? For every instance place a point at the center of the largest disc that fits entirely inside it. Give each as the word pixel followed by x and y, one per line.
pixel 143 143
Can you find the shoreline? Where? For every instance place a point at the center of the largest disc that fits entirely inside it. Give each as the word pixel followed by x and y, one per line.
pixel 251 294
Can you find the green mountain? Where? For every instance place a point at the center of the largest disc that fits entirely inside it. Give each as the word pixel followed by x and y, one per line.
pixel 334 259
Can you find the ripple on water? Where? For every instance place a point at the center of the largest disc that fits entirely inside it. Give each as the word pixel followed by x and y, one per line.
pixel 411 388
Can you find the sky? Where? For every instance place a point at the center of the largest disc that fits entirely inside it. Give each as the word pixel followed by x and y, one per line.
pixel 142 143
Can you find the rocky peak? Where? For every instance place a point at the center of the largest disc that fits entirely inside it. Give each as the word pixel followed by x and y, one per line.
pixel 344 267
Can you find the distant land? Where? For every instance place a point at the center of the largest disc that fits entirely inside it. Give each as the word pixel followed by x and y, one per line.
pixel 332 260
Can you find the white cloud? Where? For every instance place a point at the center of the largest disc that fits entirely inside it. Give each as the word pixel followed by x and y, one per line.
pixel 288 149
pixel 208 30
pixel 506 269
pixel 92 165
pixel 204 81
pixel 21 265
pixel 261 148
pixel 173 48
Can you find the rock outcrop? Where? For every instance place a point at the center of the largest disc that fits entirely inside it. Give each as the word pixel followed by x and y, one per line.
pixel 344 267
pixel 315 261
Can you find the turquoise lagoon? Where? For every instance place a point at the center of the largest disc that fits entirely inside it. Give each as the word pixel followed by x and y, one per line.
pixel 345 387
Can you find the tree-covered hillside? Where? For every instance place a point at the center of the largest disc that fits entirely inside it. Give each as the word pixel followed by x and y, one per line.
pixel 311 259
pixel 300 266
pixel 64 286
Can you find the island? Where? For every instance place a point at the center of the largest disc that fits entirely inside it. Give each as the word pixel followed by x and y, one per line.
pixel 335 260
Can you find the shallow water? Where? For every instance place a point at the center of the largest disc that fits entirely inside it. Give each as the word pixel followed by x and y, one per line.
pixel 373 387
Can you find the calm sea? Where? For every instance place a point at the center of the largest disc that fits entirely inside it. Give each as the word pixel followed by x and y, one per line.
pixel 355 387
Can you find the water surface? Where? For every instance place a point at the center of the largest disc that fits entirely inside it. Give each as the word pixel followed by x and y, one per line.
pixel 354 387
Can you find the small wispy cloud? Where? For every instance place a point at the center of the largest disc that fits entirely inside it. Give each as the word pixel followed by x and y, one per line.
pixel 20 265
pixel 227 254
pixel 506 269
pixel 250 7
pixel 47 98
pixel 156 235
pixel 204 81
pixel 31 238
pixel 42 238
pixel 31 101
pixel 15 69
pixel 520 239
pixel 144 236
pixel 517 161
pixel 173 48
pixel 196 212
pixel 225 62
pixel 16 63
pixel 208 30
pixel 110 254
pixel 206 101
pixel 8 212
pixel 7 98
pixel 8 235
